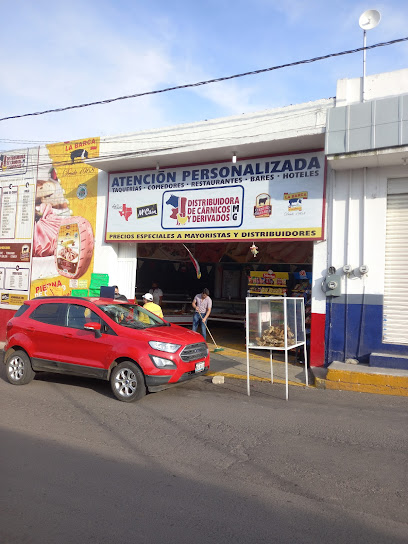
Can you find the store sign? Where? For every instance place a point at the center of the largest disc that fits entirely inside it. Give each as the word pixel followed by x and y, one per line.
pixel 273 198
pixel 13 162
pixel 221 207
pixel 17 195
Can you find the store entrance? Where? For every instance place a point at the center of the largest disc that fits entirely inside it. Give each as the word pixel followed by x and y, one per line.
pixel 231 272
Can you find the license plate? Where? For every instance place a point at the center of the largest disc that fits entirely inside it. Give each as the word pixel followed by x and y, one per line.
pixel 199 367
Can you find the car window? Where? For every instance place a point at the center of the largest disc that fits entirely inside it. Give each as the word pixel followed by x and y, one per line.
pixel 78 316
pixel 52 314
pixel 131 316
pixel 21 310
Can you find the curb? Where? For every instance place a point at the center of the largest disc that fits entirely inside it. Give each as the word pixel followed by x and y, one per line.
pixel 374 382
pixel 256 379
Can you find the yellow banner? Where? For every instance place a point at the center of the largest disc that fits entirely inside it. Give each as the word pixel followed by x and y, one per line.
pixel 267 291
pixel 267 277
pixel 300 194
pixel 239 235
pixel 13 299
pixel 66 201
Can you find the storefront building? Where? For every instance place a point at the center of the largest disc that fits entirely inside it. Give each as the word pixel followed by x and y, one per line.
pixel 262 203
pixel 367 225
pixel 217 189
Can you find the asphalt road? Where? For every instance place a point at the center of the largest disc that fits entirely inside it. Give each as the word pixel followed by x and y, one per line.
pixel 200 463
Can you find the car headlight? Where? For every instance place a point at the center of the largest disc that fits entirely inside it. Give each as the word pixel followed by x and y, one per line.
pixel 164 346
pixel 160 362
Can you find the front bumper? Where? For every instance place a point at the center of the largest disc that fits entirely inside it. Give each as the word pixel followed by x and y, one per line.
pixel 158 383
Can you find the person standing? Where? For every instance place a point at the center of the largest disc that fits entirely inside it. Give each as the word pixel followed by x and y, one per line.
pixel 202 305
pixel 118 296
pixel 157 293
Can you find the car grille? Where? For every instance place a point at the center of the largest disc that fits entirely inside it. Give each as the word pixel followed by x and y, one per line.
pixel 194 352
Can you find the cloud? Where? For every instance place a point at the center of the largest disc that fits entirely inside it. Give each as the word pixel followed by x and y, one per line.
pixel 56 54
pixel 79 63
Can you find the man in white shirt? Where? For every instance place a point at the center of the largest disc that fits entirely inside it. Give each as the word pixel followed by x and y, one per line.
pixel 157 293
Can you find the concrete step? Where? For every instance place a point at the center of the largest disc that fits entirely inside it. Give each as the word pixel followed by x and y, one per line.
pixel 362 378
pixel 388 360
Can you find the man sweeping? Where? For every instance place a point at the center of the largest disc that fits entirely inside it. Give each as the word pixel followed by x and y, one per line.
pixel 202 305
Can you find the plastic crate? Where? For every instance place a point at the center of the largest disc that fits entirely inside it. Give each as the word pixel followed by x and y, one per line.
pixel 79 292
pixel 98 279
pixel 94 292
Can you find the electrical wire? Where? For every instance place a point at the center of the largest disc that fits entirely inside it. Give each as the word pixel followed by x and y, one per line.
pixel 207 82
pixel 161 136
pixel 141 136
pixel 61 159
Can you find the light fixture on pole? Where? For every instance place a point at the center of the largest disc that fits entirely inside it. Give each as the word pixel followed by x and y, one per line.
pixel 234 157
pixel 368 20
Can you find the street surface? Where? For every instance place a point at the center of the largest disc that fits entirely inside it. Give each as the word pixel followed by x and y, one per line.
pixel 200 463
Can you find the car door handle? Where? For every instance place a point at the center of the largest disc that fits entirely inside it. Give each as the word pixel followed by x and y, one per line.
pixel 68 336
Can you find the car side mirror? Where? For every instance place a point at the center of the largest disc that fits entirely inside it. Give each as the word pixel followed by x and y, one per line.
pixel 93 326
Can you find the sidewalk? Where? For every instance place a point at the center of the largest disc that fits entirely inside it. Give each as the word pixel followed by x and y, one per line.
pixel 338 376
pixel 232 363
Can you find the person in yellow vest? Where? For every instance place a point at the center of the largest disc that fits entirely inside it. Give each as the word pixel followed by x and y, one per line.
pixel 151 306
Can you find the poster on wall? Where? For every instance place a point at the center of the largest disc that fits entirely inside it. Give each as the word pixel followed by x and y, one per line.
pixel 17 195
pixel 267 282
pixel 272 198
pixel 65 218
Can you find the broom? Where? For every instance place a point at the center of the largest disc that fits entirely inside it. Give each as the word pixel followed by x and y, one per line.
pixel 217 348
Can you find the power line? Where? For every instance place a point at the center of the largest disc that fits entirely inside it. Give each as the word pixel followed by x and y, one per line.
pixel 141 137
pixel 177 143
pixel 207 82
pixel 61 159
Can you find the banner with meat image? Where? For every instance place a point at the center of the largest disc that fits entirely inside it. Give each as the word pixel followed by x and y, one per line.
pixel 65 218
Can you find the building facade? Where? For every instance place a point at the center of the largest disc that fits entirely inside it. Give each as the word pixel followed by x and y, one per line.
pixel 319 188
pixel 367 229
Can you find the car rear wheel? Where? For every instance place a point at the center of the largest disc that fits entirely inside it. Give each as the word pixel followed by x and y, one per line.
pixel 127 382
pixel 18 368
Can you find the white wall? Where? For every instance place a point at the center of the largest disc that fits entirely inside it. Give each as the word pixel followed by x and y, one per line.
pixel 105 255
pixel 357 206
pixel 117 260
pixel 382 85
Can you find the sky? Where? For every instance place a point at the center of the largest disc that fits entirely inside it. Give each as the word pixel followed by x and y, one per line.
pixel 57 54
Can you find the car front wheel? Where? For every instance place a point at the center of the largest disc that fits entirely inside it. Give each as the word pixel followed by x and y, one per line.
pixel 18 368
pixel 127 382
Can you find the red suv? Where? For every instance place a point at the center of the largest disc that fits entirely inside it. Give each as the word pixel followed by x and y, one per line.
pixel 101 338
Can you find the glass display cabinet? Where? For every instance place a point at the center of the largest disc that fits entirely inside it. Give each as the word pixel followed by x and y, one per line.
pixel 275 323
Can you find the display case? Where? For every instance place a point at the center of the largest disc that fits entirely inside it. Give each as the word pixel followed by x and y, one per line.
pixel 275 323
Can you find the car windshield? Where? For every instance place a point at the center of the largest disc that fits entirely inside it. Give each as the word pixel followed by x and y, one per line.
pixel 131 316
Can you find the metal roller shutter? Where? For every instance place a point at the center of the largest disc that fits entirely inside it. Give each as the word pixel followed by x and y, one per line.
pixel 395 312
